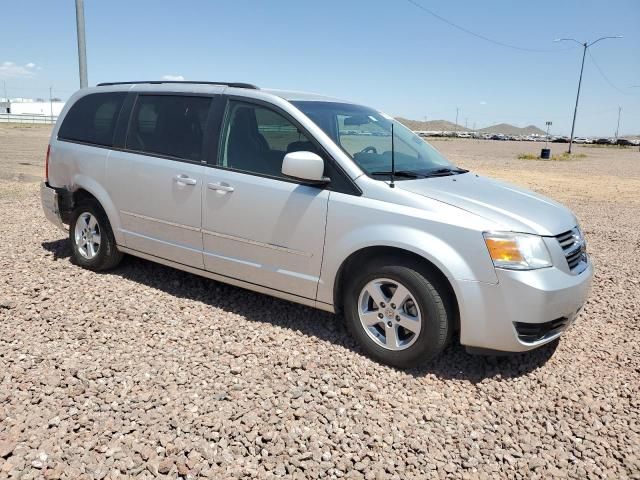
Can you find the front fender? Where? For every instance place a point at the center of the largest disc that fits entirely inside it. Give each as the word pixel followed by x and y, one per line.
pixel 454 263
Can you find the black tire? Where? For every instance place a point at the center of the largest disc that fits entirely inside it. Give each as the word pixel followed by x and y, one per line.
pixel 431 298
pixel 107 255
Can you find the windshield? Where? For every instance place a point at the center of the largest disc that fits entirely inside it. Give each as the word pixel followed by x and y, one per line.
pixel 365 135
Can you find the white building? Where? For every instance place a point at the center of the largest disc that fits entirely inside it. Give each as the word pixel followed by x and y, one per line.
pixel 29 107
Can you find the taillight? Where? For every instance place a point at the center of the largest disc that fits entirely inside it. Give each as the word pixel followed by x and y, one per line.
pixel 46 164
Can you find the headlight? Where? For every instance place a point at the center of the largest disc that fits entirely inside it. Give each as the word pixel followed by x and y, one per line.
pixel 517 251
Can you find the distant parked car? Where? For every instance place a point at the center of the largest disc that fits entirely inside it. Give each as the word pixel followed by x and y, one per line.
pixel 624 142
pixel 560 140
pixel 602 141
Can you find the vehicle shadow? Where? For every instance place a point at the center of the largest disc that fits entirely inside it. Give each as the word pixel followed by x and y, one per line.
pixel 454 363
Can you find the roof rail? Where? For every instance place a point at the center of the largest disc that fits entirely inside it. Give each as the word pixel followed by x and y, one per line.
pixel 228 84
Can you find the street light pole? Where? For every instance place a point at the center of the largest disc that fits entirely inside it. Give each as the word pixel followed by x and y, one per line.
pixel 82 47
pixel 618 126
pixel 584 45
pixel 575 110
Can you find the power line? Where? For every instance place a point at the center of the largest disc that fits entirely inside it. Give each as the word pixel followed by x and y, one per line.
pixel 479 35
pixel 611 84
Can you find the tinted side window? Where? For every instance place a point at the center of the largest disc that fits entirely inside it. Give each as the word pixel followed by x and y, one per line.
pixel 256 139
pixel 92 119
pixel 170 125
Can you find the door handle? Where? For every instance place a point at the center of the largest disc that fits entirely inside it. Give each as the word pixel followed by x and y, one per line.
pixel 184 180
pixel 220 187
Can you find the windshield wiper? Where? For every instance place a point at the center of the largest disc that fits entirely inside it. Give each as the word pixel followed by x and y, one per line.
pixel 400 173
pixel 442 172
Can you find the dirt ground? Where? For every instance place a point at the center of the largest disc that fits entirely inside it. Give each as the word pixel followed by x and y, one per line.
pixel 147 372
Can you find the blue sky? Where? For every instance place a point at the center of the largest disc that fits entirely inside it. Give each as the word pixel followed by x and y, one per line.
pixel 388 54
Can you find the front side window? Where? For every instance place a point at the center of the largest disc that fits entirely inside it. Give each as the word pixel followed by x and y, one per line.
pixel 365 135
pixel 92 119
pixel 256 139
pixel 171 125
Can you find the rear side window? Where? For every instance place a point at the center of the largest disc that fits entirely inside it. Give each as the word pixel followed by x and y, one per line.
pixel 92 119
pixel 170 125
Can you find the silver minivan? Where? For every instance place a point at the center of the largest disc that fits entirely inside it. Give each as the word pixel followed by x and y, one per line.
pixel 319 201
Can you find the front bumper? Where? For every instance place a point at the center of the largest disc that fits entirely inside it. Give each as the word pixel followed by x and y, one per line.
pixel 51 206
pixel 546 301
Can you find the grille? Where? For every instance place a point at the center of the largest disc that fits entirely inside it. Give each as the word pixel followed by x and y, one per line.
pixel 573 246
pixel 532 332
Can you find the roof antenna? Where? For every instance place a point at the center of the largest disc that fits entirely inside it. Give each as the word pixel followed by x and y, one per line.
pixel 393 160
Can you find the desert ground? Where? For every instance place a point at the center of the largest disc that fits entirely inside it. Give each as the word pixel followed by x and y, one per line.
pixel 148 372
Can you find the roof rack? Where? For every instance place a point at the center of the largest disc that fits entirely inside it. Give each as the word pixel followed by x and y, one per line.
pixel 154 82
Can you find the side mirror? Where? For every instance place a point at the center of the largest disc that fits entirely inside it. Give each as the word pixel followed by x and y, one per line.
pixel 305 166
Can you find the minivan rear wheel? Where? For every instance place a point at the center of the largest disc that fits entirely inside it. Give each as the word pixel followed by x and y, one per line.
pixel 399 315
pixel 93 245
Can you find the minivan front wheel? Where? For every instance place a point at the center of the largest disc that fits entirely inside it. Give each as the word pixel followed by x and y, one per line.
pixel 398 315
pixel 93 245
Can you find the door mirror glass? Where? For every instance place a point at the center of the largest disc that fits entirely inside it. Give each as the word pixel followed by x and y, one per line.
pixel 306 166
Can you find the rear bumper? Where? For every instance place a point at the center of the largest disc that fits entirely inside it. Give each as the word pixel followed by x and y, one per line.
pixel 51 205
pixel 523 311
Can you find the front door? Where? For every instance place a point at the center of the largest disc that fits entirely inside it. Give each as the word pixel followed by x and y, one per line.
pixel 157 180
pixel 259 226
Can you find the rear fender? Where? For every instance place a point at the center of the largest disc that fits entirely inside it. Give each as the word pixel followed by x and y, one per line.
pixel 84 182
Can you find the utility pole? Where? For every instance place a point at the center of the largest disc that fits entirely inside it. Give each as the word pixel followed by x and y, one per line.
pixel 8 105
pixel 457 111
pixel 618 126
pixel 584 45
pixel 51 104
pixel 636 86
pixel 82 47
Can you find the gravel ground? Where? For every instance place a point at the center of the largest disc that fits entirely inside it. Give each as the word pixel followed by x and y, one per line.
pixel 148 372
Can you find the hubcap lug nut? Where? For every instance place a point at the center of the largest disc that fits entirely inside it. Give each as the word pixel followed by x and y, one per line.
pixel 382 304
pixel 393 305
pixel 380 315
pixel 389 324
pixel 398 317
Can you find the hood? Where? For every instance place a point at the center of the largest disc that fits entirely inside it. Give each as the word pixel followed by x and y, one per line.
pixel 513 208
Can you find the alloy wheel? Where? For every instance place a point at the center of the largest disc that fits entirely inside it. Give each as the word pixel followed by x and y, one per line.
pixel 87 235
pixel 389 314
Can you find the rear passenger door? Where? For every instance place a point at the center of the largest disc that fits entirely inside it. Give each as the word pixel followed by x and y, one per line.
pixel 156 179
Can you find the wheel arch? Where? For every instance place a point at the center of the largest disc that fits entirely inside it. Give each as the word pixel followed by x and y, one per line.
pixel 424 265
pixel 84 188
